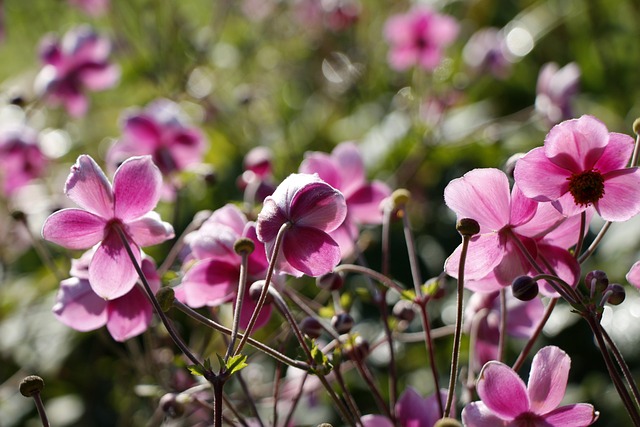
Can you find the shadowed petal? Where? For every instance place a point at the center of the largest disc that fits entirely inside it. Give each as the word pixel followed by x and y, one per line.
pixel 576 144
pixel 621 200
pixel 111 272
pixel 502 390
pixel 78 307
pixel 413 410
pixel 89 188
pixel 270 219
pixel 73 228
pixel 149 230
pixel 564 265
pixel 248 306
pixel 548 379
pixel 617 153
pixel 210 282
pixel 310 251
pixel 539 178
pixel 136 187
pixel 476 414
pixel 578 415
pixel 129 315
pixel 318 205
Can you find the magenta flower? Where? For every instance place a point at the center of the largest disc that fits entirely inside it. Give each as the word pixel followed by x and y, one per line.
pixel 213 279
pixel 80 308
pixel 313 209
pixel 162 131
pixel 77 63
pixel 555 90
pixel 582 164
pixel 344 170
pixel 105 209
pixel 418 37
pixel 412 410
pixel 21 158
pixel 506 401
pixel 91 7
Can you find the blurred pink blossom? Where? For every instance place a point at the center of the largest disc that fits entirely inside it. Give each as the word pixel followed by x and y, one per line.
pixel 91 7
pixel 20 156
pixel 555 91
pixel 486 51
pixel 412 410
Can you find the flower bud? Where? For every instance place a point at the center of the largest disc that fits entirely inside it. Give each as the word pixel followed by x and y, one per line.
pixel 256 289
pixel 330 281
pixel 510 164
pixel 165 297
pixel 311 327
pixel 31 385
pixel 342 323
pixel 596 281
pixel 244 246
pixel 447 422
pixel 358 350
pixel 467 227
pixel 171 406
pixel 636 126
pixel 616 294
pixel 524 288
pixel 403 310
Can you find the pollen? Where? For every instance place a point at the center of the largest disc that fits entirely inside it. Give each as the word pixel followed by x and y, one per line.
pixel 586 187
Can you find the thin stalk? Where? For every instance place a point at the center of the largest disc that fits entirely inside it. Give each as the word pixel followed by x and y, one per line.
pixel 365 373
pixel 296 399
pixel 218 386
pixel 436 333
pixel 534 337
pixel 636 150
pixel 353 406
pixel 428 340
pixel 583 225
pixel 41 411
pixel 235 411
pixel 502 340
pixel 623 365
pixel 242 285
pixel 592 247
pixel 393 373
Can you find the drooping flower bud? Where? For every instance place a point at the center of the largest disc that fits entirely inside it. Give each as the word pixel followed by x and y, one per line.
pixel 311 327
pixel 616 294
pixel 467 227
pixel 330 281
pixel 342 323
pixel 256 289
pixel 358 350
pixel 404 310
pixel 596 281
pixel 524 288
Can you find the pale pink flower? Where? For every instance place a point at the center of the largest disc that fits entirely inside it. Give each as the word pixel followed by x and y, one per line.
pixel 412 410
pixel 419 37
pixel 80 308
pixel 582 164
pixel 73 65
pixel 507 401
pixel 555 91
pixel 21 158
pixel 633 276
pixel 162 131
pixel 486 51
pixel 128 205
pixel 91 7
pixel 313 209
pixel 344 170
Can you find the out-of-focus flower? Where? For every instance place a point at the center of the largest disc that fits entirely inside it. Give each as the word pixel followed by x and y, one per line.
pixel 213 279
pixel 78 62
pixel 344 170
pixel 91 7
pixel 507 401
pixel 555 91
pixel 313 209
pixel 162 131
pixel 486 51
pixel 419 37
pixel 80 308
pixel 106 210
pixel 21 158
pixel 256 180
pixel 412 410
pixel 335 15
pixel 582 164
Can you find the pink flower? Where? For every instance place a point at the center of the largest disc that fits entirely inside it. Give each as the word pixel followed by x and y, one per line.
pixel 412 410
pixel 127 205
pixel 313 209
pixel 162 131
pixel 213 279
pixel 21 158
pixel 344 170
pixel 72 65
pixel 418 37
pixel 486 51
pixel 506 401
pixel 582 164
pixel 633 276
pixel 555 90
pixel 92 7
pixel 80 308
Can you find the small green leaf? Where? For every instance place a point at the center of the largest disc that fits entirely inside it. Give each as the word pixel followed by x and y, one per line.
pixel 236 363
pixel 196 370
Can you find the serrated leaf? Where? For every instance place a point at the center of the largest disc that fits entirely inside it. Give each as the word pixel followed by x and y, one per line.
pixel 236 363
pixel 196 370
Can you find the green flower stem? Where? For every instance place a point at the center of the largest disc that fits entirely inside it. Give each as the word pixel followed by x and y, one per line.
pixel 534 337
pixel 457 337
pixel 265 289
pixel 242 286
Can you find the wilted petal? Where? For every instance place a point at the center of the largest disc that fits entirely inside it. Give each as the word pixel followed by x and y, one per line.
pixel 111 272
pixel 578 415
pixel 502 390
pixel 621 200
pixel 73 228
pixel 149 230
pixel 548 379
pixel 310 251
pixel 476 414
pixel 78 307
pixel 89 188
pixel 129 315
pixel 136 187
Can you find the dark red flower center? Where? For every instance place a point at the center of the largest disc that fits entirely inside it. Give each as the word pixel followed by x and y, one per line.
pixel 586 187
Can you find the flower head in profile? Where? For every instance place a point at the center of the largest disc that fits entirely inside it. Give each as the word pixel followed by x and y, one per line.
pixel 507 401
pixel 312 209
pixel 21 157
pixel 344 170
pixel 555 90
pixel 412 410
pixel 162 131
pixel 419 37
pixel 78 62
pixel 80 308
pixel 582 164
pixel 104 212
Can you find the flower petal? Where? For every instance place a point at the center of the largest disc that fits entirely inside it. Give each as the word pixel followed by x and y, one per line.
pixel 621 200
pixel 548 379
pixel 539 178
pixel 129 315
pixel 136 187
pixel 321 164
pixel 99 76
pixel 270 219
pixel 350 166
pixel 248 306
pixel 364 202
pixel 484 253
pixel 210 282
pixel 502 390
pixel 78 307
pixel 576 144
pixel 375 421
pixel 318 205
pixel 73 228
pixel 578 415
pixel 149 230
pixel 89 188
pixel 413 410
pixel 310 251
pixel 633 276
pixel 111 272
pixel 477 414
pixel 617 153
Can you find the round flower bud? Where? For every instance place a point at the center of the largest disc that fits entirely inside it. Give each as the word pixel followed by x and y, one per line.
pixel 244 246
pixel 617 294
pixel 342 323
pixel 31 385
pixel 524 288
pixel 468 227
pixel 256 289
pixel 311 327
pixel 403 310
pixel 596 280
pixel 447 422
pixel 330 281
pixel 165 297
pixel 171 406
pixel 358 350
